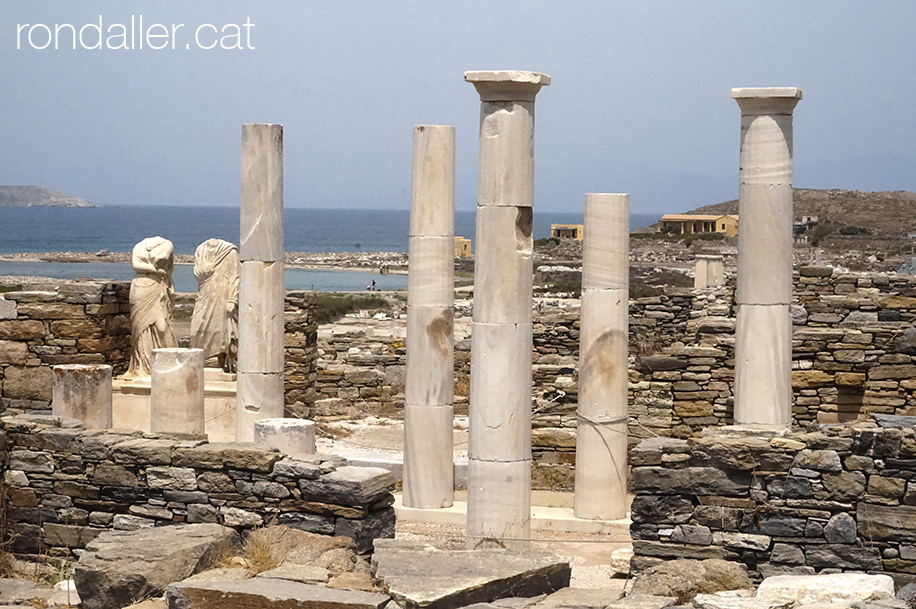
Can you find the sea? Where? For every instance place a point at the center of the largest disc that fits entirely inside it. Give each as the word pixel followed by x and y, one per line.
pixel 119 228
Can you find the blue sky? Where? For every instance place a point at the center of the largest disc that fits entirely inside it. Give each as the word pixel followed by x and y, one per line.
pixel 639 101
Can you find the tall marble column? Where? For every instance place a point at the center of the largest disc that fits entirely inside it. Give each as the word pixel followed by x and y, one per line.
pixel 177 391
pixel 260 363
pixel 429 392
pixel 499 443
pixel 601 435
pixel 763 346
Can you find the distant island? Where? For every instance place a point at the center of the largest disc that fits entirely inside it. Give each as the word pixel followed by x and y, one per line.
pixel 36 196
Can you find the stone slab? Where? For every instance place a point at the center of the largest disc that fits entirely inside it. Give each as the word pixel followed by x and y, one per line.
pixel 267 593
pixel 418 575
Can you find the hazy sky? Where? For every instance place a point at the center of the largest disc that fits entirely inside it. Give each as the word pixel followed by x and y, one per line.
pixel 639 101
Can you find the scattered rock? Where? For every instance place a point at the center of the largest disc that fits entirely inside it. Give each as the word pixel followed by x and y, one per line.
pixel 826 588
pixel 684 579
pixel 120 566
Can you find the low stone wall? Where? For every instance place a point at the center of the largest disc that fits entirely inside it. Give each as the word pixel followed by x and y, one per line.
pixel 839 499
pixel 64 485
pixel 74 323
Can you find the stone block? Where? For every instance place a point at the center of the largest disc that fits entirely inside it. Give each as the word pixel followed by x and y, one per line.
pixel 28 383
pixel 377 525
pixel 7 309
pixel 30 461
pixel 689 481
pixel 171 478
pixel 349 486
pixel 51 310
pixel 886 523
pixel 12 352
pixel 233 455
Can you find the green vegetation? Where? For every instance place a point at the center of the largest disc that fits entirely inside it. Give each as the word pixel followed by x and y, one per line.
pixel 10 288
pixel 332 306
pixel 853 230
pixel 546 241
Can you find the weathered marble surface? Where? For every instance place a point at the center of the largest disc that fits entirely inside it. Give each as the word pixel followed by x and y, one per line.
pixel 151 293
pixel 215 322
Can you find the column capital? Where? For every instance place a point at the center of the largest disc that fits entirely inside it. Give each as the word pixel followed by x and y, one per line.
pixel 507 85
pixel 767 100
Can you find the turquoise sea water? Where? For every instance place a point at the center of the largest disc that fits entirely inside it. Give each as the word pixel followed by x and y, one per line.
pixel 118 229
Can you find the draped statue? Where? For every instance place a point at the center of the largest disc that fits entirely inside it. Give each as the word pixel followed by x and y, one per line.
pixel 151 293
pixel 215 322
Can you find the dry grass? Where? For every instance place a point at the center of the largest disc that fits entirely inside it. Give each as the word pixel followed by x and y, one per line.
pixel 255 554
pixel 462 385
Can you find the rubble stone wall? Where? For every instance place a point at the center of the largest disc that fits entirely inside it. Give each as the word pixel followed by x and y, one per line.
pixel 64 485
pixel 301 343
pixel 839 499
pixel 74 323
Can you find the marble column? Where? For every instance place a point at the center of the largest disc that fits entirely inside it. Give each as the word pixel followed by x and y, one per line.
pixel 715 271
pixel 499 443
pixel 294 437
pixel 83 391
pixel 429 392
pixel 177 391
pixel 763 345
pixel 261 355
pixel 601 435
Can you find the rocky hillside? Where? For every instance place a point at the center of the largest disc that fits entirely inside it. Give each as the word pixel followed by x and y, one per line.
pixel 36 196
pixel 887 217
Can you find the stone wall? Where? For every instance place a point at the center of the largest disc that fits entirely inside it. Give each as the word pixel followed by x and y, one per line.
pixel 65 485
pixel 301 343
pixel 89 323
pixel 74 323
pixel 842 498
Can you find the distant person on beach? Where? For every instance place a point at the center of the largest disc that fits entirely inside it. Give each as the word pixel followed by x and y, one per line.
pixel 151 295
pixel 215 322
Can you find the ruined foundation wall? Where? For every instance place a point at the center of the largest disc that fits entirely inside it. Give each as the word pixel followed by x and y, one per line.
pixel 842 499
pixel 89 323
pixel 65 485
pixel 74 323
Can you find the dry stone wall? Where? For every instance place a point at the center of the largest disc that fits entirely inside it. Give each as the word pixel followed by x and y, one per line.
pixel 63 485
pixel 74 323
pixel 841 498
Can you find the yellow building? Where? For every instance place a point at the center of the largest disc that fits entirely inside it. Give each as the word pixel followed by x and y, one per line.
pixel 567 231
pixel 462 247
pixel 686 224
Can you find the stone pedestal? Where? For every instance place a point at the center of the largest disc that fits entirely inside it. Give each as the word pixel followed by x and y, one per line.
pixel 260 363
pixel 83 392
pixel 429 391
pixel 763 345
pixel 499 443
pixel 601 436
pixel 177 391
pixel 709 271
pixel 290 436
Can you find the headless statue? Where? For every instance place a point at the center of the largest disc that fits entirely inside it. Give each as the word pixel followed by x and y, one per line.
pixel 151 293
pixel 215 322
